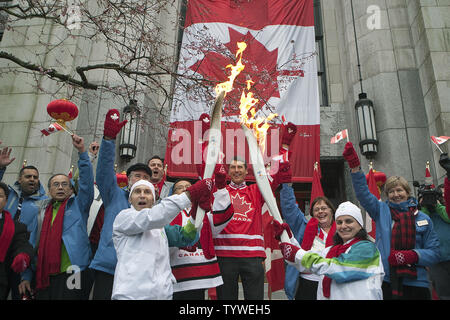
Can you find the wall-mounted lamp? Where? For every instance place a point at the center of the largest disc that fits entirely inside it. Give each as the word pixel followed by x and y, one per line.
pixel 129 135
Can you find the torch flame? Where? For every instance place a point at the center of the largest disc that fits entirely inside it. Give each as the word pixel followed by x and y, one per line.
pixel 259 126
pixel 227 86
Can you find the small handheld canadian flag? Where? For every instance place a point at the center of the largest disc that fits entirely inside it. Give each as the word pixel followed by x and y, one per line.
pixel 439 140
pixel 339 136
pixel 54 127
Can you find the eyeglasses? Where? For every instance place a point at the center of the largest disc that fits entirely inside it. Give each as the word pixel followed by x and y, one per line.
pixel 64 184
pixel 317 209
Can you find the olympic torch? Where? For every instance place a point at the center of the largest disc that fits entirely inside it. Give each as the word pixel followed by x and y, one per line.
pixel 261 178
pixel 215 137
pixel 215 134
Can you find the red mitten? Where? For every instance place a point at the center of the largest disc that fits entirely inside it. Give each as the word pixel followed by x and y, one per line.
pixel 351 156
pixel 200 193
pixel 289 251
pixel 20 262
pixel 112 124
pixel 402 257
pixel 289 133
pixel 285 172
pixel 204 118
pixel 220 176
pixel 279 228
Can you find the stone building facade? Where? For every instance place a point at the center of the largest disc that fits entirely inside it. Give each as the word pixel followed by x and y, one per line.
pixel 404 49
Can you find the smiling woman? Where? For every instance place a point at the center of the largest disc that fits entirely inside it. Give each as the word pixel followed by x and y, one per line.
pixel 397 189
pixel 351 268
pixel 405 235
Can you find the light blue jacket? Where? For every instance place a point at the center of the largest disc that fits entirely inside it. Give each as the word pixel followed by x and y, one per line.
pixel 74 235
pixel 297 222
pixel 30 206
pixel 427 242
pixel 115 200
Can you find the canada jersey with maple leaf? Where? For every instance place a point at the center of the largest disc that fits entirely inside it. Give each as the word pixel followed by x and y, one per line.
pixel 243 236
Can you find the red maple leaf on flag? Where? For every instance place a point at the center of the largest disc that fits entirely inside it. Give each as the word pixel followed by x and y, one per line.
pixel 260 67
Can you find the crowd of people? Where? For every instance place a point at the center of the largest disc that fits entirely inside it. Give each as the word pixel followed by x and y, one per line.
pixel 144 243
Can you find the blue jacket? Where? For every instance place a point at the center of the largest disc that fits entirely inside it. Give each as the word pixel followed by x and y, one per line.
pixel 30 206
pixel 115 200
pixel 441 224
pixel 74 235
pixel 297 222
pixel 427 242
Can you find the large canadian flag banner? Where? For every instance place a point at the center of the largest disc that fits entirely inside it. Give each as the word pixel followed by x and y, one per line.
pixel 280 64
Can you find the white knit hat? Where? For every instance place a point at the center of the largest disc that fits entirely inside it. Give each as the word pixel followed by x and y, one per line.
pixel 143 183
pixel 349 209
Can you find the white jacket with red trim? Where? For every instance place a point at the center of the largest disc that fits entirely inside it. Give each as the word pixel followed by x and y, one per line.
pixel 191 268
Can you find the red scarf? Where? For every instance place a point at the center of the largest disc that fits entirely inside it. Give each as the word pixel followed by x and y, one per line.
pixel 158 186
pixel 334 252
pixel 7 234
pixel 403 237
pixel 312 230
pixel 206 239
pixel 49 252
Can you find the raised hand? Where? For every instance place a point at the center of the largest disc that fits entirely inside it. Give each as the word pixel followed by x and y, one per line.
pixel 5 157
pixel 289 133
pixel 351 156
pixel 112 125
pixel 94 147
pixel 78 143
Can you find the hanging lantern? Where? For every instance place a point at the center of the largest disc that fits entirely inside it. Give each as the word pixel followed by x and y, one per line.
pixel 122 179
pixel 62 110
pixel 129 134
pixel 365 118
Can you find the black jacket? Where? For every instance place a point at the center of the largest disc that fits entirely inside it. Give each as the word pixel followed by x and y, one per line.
pixel 19 244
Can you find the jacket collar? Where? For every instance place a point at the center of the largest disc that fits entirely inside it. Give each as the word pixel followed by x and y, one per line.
pixel 236 186
pixel 405 205
pixel 37 194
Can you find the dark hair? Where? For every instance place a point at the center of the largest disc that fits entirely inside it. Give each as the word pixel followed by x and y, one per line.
pixel 182 179
pixel 139 167
pixel 27 167
pixel 56 174
pixel 327 202
pixel 72 183
pixel 5 188
pixel 155 157
pixel 237 158
pixel 179 180
pixel 361 234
